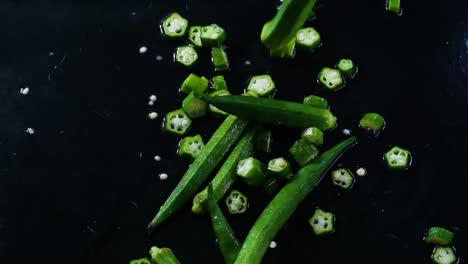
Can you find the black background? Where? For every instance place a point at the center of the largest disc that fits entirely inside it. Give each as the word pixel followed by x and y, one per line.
pixel 77 191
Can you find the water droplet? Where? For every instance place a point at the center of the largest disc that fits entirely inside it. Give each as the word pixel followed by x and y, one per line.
pixel 159 58
pixel 272 244
pixel 24 91
pixel 346 132
pixel 153 115
pixel 143 49
pixel 157 158
pixel 163 176
pixel 153 98
pixel 30 131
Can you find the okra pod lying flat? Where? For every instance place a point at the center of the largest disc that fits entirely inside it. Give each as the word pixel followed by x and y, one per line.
pixel 214 151
pixel 285 203
pixel 163 256
pixel 439 236
pixel 226 175
pixel 226 237
pixel 274 111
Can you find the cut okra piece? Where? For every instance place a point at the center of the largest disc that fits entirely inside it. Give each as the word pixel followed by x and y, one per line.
pixel 177 122
pixel 219 58
pixel 162 256
pixel 190 147
pixel 194 36
pixel 280 167
pixel 444 255
pixel 193 106
pixel 215 110
pixel 308 39
pixel 212 35
pixel 342 178
pixel 316 101
pixel 251 93
pixel 186 56
pixel 236 202
pixel 194 83
pixel 262 140
pixel 219 83
pixel 398 158
pixel 174 26
pixel 272 186
pixel 263 85
pixel 372 121
pixel 439 236
pixel 252 171
pixel 313 135
pixel 322 222
pixel 394 6
pixel 140 261
pixel 347 68
pixel 303 152
pixel 287 51
pixel 331 78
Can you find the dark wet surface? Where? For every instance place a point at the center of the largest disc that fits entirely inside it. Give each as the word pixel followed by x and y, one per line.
pixel 82 188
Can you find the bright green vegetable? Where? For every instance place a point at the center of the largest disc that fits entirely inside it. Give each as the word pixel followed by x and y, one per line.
pixel 219 58
pixel 283 205
pixel 263 85
pixel 140 261
pixel 313 135
pixel 163 256
pixel 194 83
pixel 331 79
pixel 444 255
pixel 191 146
pixel 252 171
pixel 398 158
pixel 213 108
pixel 316 101
pixel 177 122
pixel 342 178
pixel 262 141
pixel 308 38
pixel 237 203
pixel 274 111
pixel 219 83
pixel 347 68
pixel 439 236
pixel 372 121
pixel 251 93
pixel 394 6
pixel 194 106
pixel 280 167
pixel 186 55
pixel 194 36
pixel 174 26
pixel 226 175
pixel 303 152
pixel 226 237
pixel 212 35
pixel 214 151
pixel 322 222
pixel 287 51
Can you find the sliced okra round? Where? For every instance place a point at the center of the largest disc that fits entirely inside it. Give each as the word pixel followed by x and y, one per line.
pixel 191 146
pixel 177 122
pixel 263 85
pixel 372 121
pixel 236 202
pixel 174 26
pixel 322 222
pixel 313 135
pixel 186 56
pixel 331 78
pixel 308 38
pixel 316 101
pixel 347 68
pixel 280 167
pixel 342 178
pixel 212 35
pixel 444 255
pixel 398 158
pixel 194 36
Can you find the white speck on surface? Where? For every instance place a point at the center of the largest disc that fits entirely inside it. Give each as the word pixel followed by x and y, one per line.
pixel 346 132
pixel 153 115
pixel 247 62
pixel 157 158
pixel 153 98
pixel 30 131
pixel 51 53
pixel 159 58
pixel 143 49
pixel 24 91
pixel 163 176
pixel 361 171
pixel 272 244
pixel 141 155
pixel 133 13
pixel 150 103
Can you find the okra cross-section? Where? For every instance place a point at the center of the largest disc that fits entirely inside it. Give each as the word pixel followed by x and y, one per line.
pixel 191 146
pixel 347 68
pixel 194 83
pixel 219 58
pixel 313 135
pixel 174 26
pixel 439 236
pixel 372 121
pixel 331 78
pixel 252 171
pixel 342 178
pixel 308 39
pixel 303 152
pixel 212 35
pixel 398 158
pixel 193 106
pixel 236 202
pixel 444 255
pixel 322 222
pixel 280 167
pixel 263 85
pixel 140 261
pixel 194 36
pixel 177 122
pixel 186 56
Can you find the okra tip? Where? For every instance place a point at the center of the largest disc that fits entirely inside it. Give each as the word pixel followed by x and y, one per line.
pixel 197 205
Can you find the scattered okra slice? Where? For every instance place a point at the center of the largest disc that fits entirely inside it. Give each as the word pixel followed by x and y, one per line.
pixel 194 83
pixel 177 122
pixel 313 135
pixel 398 158
pixel 193 106
pixel 191 146
pixel 444 255
pixel 212 35
pixel 331 78
pixel 263 85
pixel 174 26
pixel 215 110
pixel 262 140
pixel 194 36
pixel 252 171
pixel 280 167
pixel 394 6
pixel 316 101
pixel 303 152
pixel 322 222
pixel 342 178
pixel 163 256
pixel 372 121
pixel 219 83
pixel 308 38
pixel 236 202
pixel 140 261
pixel 347 68
pixel 186 55
pixel 219 58
pixel 439 236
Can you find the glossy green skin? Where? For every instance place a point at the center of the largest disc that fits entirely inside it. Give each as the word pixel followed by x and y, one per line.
pixel 213 109
pixel 394 6
pixel 279 112
pixel 193 106
pixel 283 205
pixel 226 175
pixel 282 173
pixel 313 135
pixel 194 83
pixel 316 101
pixel 256 174
pixel 439 236
pixel 303 152
pixel 219 83
pixel 372 121
pixel 163 256
pixel 219 59
pixel 194 36
pixel 140 261
pixel 223 139
pixel 226 237
pixel 286 52
pixel 208 40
